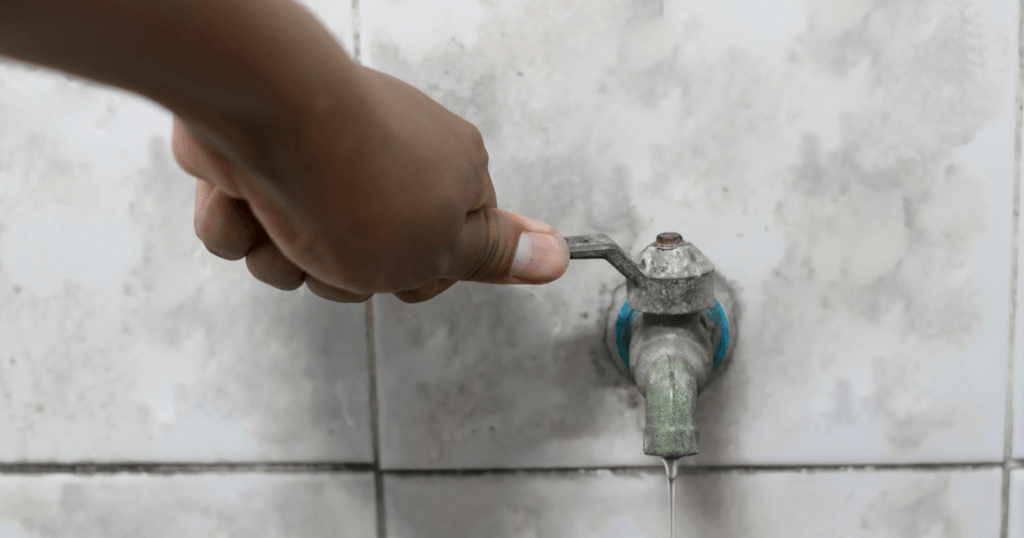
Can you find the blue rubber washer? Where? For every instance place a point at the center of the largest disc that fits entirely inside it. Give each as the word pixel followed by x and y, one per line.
pixel 624 331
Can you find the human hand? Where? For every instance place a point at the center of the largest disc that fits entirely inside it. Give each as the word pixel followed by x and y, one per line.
pixel 392 196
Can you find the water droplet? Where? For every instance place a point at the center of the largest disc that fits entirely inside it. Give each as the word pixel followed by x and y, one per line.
pixel 671 469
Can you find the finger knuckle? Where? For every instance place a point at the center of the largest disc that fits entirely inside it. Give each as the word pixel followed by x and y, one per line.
pixel 220 253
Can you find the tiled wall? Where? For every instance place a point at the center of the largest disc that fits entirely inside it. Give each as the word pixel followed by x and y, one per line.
pixel 850 164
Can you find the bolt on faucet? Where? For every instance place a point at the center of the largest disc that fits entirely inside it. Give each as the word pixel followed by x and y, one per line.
pixel 683 335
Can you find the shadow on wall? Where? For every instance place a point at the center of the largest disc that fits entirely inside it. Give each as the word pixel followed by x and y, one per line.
pixel 497 376
pixel 500 366
pixel 259 373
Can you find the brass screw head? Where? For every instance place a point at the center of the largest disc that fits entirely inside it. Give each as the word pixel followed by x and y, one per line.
pixel 669 239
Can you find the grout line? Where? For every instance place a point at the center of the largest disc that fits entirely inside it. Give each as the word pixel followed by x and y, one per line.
pixel 183 468
pixel 371 348
pixel 1008 462
pixel 346 467
pixel 378 476
pixel 699 469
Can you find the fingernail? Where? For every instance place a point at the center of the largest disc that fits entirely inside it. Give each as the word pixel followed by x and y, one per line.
pixel 540 257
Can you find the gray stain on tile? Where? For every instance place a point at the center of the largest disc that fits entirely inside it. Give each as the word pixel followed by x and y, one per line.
pixel 843 411
pixel 181 357
pixel 163 506
pixel 497 350
pixel 848 143
pixel 494 373
pixel 557 184
pixel 324 339
pixel 904 220
pixel 890 504
pixel 894 183
pixel 917 507
pixel 907 425
pixel 43 168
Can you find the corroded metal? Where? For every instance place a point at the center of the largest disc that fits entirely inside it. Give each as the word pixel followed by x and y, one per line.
pixel 671 355
pixel 670 276
pixel 669 239
pixel 671 360
pixel 589 247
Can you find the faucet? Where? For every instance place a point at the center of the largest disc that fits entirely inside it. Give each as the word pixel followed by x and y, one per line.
pixel 675 332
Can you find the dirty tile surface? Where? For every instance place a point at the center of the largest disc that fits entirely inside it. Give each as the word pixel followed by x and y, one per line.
pixel 849 165
pixel 121 337
pixel 236 505
pixel 1016 516
pixel 1018 360
pixel 889 504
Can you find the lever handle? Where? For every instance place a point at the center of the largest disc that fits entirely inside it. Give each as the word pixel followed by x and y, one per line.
pixel 588 247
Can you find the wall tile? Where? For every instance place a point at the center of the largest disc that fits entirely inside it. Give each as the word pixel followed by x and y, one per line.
pixel 1016 516
pixel 129 506
pixel 848 165
pixel 1018 359
pixel 849 504
pixel 121 337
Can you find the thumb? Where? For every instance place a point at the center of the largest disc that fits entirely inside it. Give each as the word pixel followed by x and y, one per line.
pixel 499 247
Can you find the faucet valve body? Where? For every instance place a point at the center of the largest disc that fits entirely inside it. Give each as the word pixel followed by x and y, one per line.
pixel 676 344
pixel 670 276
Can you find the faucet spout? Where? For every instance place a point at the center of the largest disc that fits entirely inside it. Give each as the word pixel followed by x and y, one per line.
pixel 671 358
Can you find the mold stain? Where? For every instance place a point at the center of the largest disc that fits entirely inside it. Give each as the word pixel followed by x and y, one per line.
pixel 880 225
pixel 886 227
pixel 918 508
pixel 578 192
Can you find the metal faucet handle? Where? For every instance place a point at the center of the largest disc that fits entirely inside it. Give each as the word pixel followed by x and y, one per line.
pixel 594 246
pixel 671 276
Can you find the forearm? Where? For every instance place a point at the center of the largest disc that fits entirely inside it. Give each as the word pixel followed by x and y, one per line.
pixel 211 61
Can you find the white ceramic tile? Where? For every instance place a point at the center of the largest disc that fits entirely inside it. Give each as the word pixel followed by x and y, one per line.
pixel 474 378
pixel 1016 516
pixel 154 506
pixel 121 337
pixel 896 504
pixel 1018 359
pixel 848 164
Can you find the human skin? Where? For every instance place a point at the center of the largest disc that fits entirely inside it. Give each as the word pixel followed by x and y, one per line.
pixel 313 168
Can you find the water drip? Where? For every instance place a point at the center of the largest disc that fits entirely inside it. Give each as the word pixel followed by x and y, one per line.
pixel 671 468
